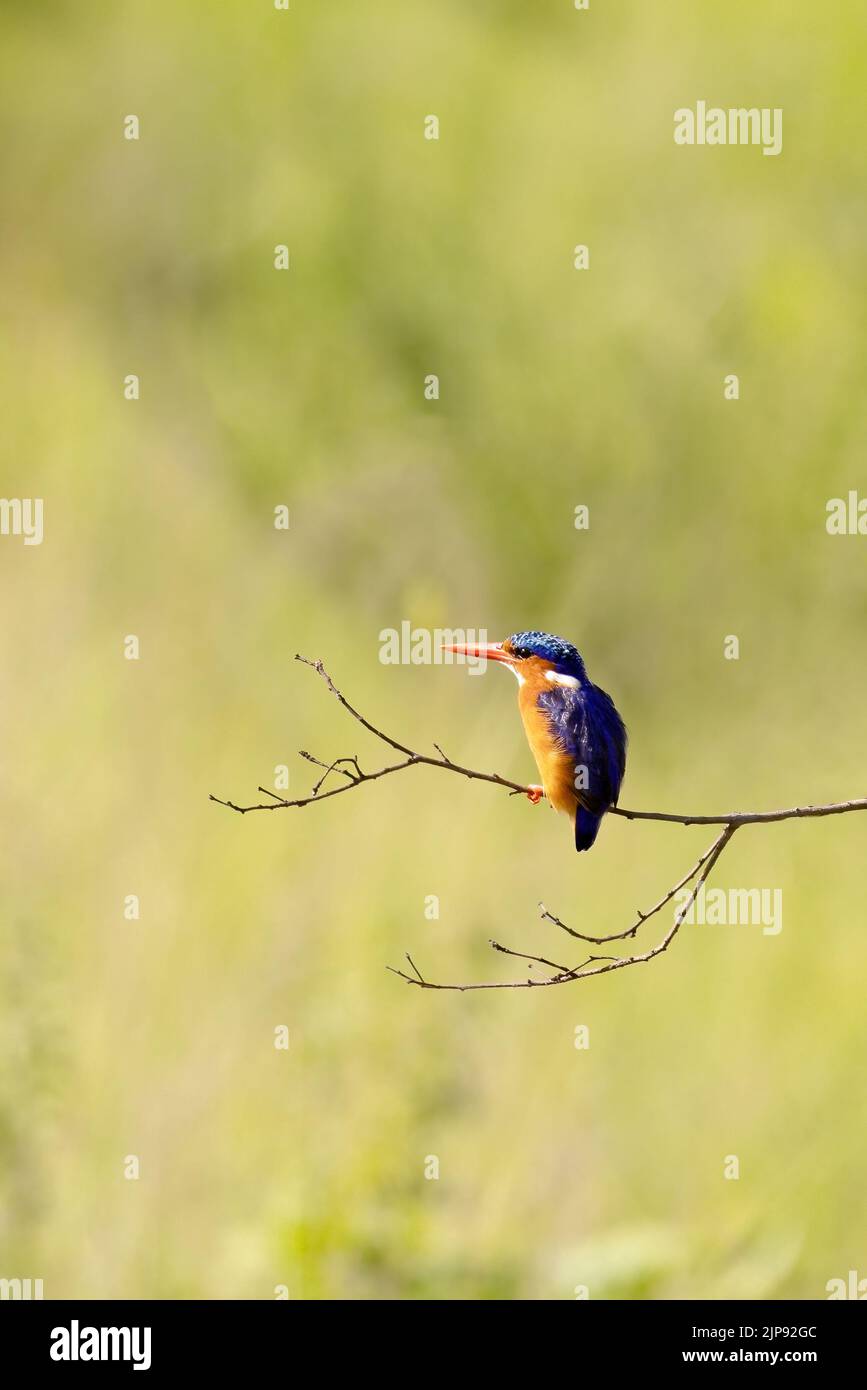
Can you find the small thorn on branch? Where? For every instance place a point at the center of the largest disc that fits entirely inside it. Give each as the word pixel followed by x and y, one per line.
pixel 281 800
pixel 414 967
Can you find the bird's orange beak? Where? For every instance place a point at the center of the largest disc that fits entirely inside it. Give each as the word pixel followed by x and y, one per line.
pixel 491 651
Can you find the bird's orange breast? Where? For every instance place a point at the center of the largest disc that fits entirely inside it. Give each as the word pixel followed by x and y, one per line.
pixel 555 766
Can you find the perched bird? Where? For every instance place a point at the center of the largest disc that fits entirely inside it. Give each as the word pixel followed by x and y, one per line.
pixel 575 734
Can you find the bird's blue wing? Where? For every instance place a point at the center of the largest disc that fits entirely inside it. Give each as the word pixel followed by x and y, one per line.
pixel 586 725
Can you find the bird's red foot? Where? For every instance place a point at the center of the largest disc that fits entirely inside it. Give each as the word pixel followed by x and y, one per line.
pixel 535 794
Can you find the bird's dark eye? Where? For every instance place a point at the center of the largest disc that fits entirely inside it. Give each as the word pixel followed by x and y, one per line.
pixel 521 651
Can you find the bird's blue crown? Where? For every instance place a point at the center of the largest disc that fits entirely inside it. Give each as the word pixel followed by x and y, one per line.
pixel 562 654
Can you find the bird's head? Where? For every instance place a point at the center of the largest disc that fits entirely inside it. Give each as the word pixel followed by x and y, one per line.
pixel 531 653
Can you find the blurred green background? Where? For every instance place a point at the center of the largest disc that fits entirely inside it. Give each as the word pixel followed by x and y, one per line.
pixel 305 1167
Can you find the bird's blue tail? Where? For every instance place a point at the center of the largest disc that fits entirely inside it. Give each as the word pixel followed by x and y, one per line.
pixel 586 827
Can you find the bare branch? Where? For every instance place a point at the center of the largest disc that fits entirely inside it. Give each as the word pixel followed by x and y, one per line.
pixel 411 759
pixel 414 759
pixel 642 916
pixel 348 767
pixel 579 972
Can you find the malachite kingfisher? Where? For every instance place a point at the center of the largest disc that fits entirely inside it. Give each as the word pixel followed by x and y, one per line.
pixel 575 733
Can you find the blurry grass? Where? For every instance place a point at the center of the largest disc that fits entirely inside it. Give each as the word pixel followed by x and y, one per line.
pixel 306 1168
